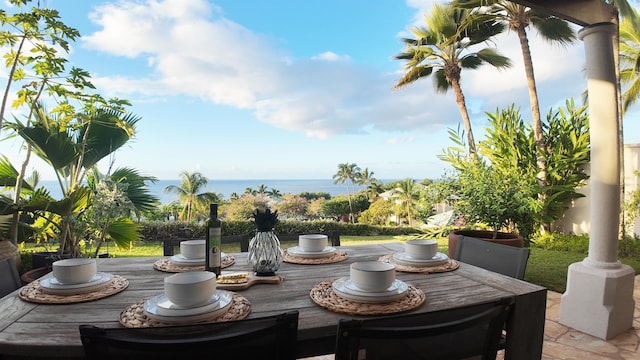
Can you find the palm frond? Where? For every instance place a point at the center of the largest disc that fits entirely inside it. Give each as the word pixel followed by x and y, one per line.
pixel 123 231
pixel 554 29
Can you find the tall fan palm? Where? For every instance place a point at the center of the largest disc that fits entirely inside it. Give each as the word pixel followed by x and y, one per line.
pixel 347 173
pixel 190 193
pixel 445 46
pixel 519 18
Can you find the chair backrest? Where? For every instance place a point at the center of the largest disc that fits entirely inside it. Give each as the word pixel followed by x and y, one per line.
pixel 332 236
pixel 272 337
pixel 9 277
pixel 471 332
pixel 503 259
pixel 170 245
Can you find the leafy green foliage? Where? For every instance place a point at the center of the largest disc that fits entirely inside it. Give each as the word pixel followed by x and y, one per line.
pixel 632 205
pixel 628 247
pixel 292 206
pixel 558 241
pixel 378 213
pixel 500 187
pixel 243 207
pixel 338 207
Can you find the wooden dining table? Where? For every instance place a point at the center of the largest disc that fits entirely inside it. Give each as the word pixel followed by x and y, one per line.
pixel 51 330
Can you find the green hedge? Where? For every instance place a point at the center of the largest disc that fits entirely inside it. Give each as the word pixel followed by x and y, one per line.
pixel 158 230
pixel 579 244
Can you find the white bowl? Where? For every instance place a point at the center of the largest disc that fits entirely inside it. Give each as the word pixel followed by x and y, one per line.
pixel 422 249
pixel 192 249
pixel 190 289
pixel 312 242
pixel 372 276
pixel 74 271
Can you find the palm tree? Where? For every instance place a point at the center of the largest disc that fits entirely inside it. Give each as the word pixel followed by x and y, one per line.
pixel 407 193
pixel 374 190
pixel 347 173
pixel 262 189
pixel 366 178
pixel 274 193
pixel 630 61
pixel 190 193
pixel 519 18
pixel 445 46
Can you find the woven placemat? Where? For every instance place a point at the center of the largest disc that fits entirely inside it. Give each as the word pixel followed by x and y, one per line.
pixel 450 265
pixel 167 265
pixel 32 292
pixel 323 295
pixel 337 256
pixel 134 316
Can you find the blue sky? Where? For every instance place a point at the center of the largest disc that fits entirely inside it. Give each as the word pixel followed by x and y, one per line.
pixel 239 89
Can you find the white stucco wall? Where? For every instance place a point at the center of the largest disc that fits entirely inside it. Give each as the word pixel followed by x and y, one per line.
pixel 632 182
pixel 576 218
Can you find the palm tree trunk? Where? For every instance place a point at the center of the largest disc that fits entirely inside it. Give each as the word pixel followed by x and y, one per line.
pixel 350 206
pixel 15 221
pixel 455 83
pixel 5 97
pixel 541 147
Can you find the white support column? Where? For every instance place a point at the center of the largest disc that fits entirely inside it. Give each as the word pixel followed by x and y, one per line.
pixel 599 295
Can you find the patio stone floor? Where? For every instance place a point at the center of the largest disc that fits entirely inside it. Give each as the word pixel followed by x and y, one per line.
pixel 564 343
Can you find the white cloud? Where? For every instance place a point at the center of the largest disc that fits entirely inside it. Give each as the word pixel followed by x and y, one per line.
pixel 331 56
pixel 191 49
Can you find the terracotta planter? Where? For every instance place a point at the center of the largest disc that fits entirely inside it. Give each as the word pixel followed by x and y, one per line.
pixel 504 238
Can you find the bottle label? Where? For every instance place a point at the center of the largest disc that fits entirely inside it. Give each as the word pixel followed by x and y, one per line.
pixel 215 238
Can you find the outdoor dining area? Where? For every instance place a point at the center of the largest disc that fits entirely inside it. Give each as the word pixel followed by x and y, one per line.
pixel 392 300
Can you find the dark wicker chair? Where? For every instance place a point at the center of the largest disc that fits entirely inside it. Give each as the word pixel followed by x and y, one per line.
pixel 9 277
pixel 503 259
pixel 472 333
pixel 272 337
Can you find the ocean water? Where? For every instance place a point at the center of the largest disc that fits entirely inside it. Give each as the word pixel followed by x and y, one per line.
pixel 227 187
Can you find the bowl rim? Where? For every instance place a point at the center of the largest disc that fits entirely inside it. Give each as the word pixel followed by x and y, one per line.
pixel 74 262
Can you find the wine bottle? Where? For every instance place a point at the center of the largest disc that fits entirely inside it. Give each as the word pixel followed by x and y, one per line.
pixel 213 260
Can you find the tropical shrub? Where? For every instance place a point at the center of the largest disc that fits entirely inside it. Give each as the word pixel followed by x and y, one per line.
pixel 338 207
pixel 632 205
pixel 499 186
pixel 378 213
pixel 292 206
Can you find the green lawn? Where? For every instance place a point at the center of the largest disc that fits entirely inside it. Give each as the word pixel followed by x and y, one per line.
pixel 545 267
